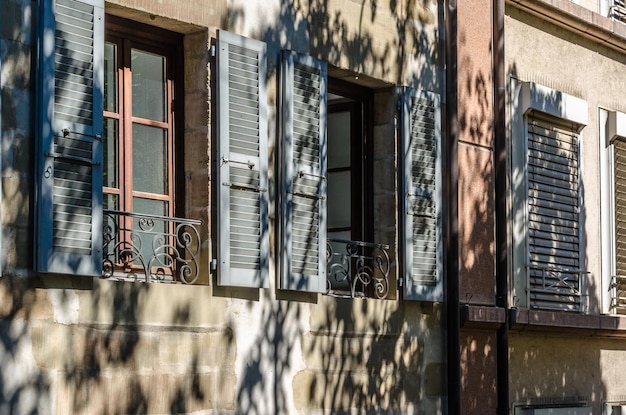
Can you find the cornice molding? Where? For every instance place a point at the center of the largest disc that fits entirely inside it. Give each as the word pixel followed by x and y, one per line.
pixel 577 19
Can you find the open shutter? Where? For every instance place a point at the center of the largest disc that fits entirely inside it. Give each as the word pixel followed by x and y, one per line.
pixel 619 155
pixel 242 130
pixel 421 199
pixel 554 272
pixel 69 150
pixel 303 173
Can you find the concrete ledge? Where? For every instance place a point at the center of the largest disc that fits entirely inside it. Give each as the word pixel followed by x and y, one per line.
pixel 523 319
pixel 485 317
pixel 577 19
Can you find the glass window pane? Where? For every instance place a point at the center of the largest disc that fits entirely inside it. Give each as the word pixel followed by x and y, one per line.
pixel 339 200
pixel 110 202
pixel 110 77
pixel 339 140
pixel 149 85
pixel 111 153
pixel 149 206
pixel 149 159
pixel 149 232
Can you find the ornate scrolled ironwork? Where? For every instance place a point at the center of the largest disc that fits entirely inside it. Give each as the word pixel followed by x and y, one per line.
pixel 357 269
pixel 157 248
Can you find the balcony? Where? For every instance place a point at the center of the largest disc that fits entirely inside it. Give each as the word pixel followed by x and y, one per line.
pixel 357 269
pixel 150 248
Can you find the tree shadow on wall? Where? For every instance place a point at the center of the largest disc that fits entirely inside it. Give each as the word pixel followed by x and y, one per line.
pixel 366 356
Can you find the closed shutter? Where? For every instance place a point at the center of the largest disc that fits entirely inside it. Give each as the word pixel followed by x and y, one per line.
pixel 303 172
pixel 553 216
pixel 242 130
pixel 69 168
pixel 421 199
pixel 619 147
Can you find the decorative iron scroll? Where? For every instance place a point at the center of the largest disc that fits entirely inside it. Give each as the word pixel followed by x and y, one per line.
pixel 556 288
pixel 358 268
pixel 157 248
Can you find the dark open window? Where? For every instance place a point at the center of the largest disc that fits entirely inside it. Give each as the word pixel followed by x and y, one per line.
pixel 350 218
pixel 349 162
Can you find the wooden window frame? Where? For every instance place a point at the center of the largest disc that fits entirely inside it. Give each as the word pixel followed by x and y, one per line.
pixel 359 101
pixel 127 34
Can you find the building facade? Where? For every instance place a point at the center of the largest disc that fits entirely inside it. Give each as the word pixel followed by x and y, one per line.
pixel 312 206
pixel 223 206
pixel 548 327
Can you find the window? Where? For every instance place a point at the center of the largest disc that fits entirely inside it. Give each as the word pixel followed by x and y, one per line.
pixel 349 196
pixel 349 169
pixel 328 197
pixel 545 176
pixel 554 264
pixel 115 161
pixel 139 117
pixel 140 142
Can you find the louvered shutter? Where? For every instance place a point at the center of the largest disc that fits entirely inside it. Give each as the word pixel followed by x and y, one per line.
pixel 421 198
pixel 69 168
pixel 553 216
pixel 619 155
pixel 242 130
pixel 303 171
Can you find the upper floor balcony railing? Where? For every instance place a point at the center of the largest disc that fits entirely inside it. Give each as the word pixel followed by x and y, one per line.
pixel 618 294
pixel 155 248
pixel 357 269
pixel 617 10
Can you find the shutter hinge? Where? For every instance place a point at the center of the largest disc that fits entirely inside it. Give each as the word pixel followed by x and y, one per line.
pixel 302 173
pixel 250 164
pixel 400 282
pixel 214 264
pixel 212 51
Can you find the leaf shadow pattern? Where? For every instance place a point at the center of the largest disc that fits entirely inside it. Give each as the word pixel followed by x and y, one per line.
pixel 358 355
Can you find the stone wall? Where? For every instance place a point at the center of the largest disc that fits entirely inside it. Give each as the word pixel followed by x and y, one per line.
pixel 81 345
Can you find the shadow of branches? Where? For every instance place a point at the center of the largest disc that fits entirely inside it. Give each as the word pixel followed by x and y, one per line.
pixel 358 355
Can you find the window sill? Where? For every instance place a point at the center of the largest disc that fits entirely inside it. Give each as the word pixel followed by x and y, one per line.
pixel 481 317
pixel 526 320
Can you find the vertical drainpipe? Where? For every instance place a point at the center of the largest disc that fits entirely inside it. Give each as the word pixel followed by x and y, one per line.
pixel 499 139
pixel 452 225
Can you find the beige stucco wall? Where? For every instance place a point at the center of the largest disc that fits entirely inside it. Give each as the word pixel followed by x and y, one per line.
pixel 75 345
pixel 549 368
pixel 551 56
pixel 550 365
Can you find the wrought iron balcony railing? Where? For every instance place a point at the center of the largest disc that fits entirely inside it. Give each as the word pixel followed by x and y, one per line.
pixel 157 248
pixel 357 269
pixel 618 294
pixel 556 288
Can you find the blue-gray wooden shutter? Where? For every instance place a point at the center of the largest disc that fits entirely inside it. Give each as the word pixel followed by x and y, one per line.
pixel 421 199
pixel 69 150
pixel 242 179
pixel 302 240
pixel 554 272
